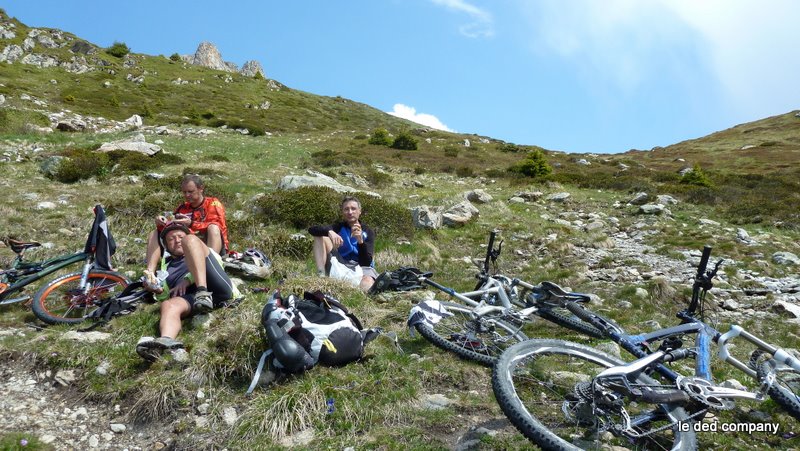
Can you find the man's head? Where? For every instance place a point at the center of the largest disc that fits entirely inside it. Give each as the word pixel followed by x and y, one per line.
pixel 172 238
pixel 351 209
pixel 192 187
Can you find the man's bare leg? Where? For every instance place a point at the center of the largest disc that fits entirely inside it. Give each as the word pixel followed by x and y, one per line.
pixel 214 238
pixel 172 310
pixel 321 248
pixel 195 253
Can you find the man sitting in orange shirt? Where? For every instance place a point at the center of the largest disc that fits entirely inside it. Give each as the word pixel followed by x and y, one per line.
pixel 204 215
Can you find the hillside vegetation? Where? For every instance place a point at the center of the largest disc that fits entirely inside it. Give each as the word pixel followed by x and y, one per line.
pixel 570 223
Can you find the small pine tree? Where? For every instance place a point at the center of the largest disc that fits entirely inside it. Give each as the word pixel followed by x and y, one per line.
pixel 404 141
pixel 696 177
pixel 175 57
pixel 118 49
pixel 534 165
pixel 380 137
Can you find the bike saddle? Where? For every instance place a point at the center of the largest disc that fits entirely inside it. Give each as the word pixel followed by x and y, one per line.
pixel 19 246
pixel 560 292
pixel 554 289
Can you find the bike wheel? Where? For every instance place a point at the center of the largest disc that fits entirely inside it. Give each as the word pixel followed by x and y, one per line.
pixel 479 339
pixel 63 302
pixel 565 318
pixel 785 390
pixel 545 388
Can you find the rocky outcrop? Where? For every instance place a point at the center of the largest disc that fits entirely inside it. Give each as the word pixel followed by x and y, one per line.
pixel 251 68
pixel 290 182
pixel 207 55
pixel 135 144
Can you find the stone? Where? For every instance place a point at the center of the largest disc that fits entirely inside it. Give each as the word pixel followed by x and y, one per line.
pixel 583 162
pixel 460 214
pixel 558 197
pixel 651 209
pixel 71 125
pixel 785 258
pixel 134 144
pixel 530 196
pixel 786 309
pixel 230 416
pixel 479 196
pixel 426 217
pixel 118 428
pixel 666 199
pixel 45 206
pixel 313 178
pixel 49 166
pixel 708 222
pixel 92 336
pixel 639 199
pixel 435 402
pixel 94 441
pixel 134 121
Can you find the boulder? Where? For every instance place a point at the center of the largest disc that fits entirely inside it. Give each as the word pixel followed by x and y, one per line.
pixel 785 258
pixel 313 178
pixel 251 68
pixel 786 309
pixel 207 55
pixel 639 199
pixel 666 199
pixel 11 54
pixel 50 165
pixel 134 144
pixel 478 196
pixel 530 196
pixel 426 217
pixel 459 214
pixel 558 197
pixel 71 125
pixel 651 209
pixel 134 121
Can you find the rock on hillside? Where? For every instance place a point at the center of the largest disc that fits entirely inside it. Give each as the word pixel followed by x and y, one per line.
pixel 251 68
pixel 207 55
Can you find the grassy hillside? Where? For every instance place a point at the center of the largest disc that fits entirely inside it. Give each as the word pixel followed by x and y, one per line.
pixel 380 402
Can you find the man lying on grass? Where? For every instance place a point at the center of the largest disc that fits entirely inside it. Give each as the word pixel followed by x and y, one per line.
pixel 194 283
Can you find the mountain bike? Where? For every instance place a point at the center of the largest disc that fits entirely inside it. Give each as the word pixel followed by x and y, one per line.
pixel 564 395
pixel 68 298
pixel 489 319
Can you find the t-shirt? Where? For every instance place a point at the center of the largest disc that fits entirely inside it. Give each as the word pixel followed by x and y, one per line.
pixel 350 249
pixel 210 211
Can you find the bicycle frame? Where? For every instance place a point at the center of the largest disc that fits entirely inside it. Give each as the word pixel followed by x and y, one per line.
pixel 39 270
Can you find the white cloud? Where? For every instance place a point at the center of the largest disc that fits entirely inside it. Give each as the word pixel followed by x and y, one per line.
pixel 482 25
pixel 410 113
pixel 746 47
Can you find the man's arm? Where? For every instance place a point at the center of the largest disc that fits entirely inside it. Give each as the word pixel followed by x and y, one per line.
pixel 215 214
pixel 366 248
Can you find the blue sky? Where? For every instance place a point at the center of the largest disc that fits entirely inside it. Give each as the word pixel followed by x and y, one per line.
pixel 600 76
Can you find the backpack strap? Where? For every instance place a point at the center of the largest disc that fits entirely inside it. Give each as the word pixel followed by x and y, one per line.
pixel 327 301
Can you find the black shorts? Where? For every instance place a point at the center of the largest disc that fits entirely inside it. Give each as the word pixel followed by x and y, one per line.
pixel 218 283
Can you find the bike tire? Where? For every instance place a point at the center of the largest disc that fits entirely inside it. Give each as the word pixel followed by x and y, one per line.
pixel 565 318
pixel 478 340
pixel 785 390
pixel 535 384
pixel 61 302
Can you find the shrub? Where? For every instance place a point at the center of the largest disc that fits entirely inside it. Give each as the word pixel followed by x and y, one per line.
pixel 378 178
pixel 380 137
pixel 207 115
pixel 82 164
pixel 258 76
pixel 696 177
pixel 118 49
pixel 404 141
pixel 69 98
pixel 534 165
pixel 217 157
pixel 175 57
pixel 326 158
pixel 254 129
pixel 509 147
pixel 311 205
pixel 418 170
pixel 451 151
pixel 465 171
pixel 16 121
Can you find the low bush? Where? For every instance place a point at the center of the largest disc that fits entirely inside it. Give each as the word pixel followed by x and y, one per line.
pixel 451 151
pixel 175 57
pixel 18 121
pixel 311 205
pixel 82 164
pixel 465 171
pixel 696 177
pixel 380 137
pixel 326 158
pixel 378 179
pixel 534 165
pixel 118 49
pixel 404 141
